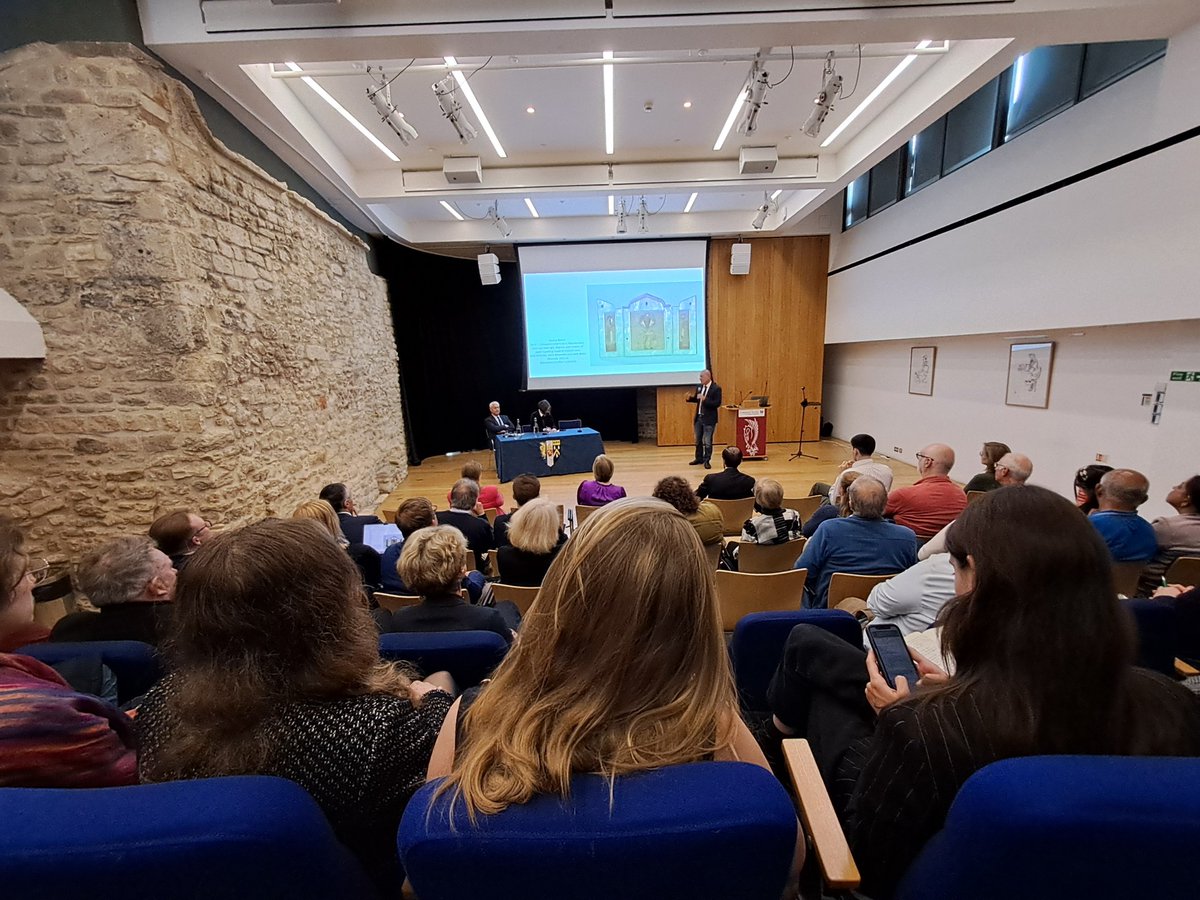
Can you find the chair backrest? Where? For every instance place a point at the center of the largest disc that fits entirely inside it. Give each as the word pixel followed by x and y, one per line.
pixel 393 602
pixel 212 837
pixel 845 584
pixel 522 597
pixel 582 512
pixel 470 656
pixel 705 830
pixel 713 553
pixel 491 515
pixel 734 513
pixel 1185 570
pixel 764 558
pixel 806 506
pixel 973 496
pixel 1126 576
pixel 757 646
pixel 1042 827
pixel 740 593
pixel 564 424
pixel 136 665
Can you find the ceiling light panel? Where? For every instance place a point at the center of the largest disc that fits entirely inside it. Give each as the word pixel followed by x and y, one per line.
pixel 609 100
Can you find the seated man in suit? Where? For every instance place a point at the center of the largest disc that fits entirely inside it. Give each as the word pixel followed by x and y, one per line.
pixel 729 484
pixel 338 496
pixel 495 423
pixel 132 582
pixel 461 514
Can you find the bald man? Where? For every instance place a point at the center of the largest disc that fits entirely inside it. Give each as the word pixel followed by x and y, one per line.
pixel 1012 470
pixel 934 501
pixel 1130 538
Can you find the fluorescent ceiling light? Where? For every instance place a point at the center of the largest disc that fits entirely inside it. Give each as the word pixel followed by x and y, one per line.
pixel 609 140
pixel 532 210
pixel 450 209
pixel 465 87
pixel 775 196
pixel 733 114
pixel 611 205
pixel 874 95
pixel 691 200
pixel 344 113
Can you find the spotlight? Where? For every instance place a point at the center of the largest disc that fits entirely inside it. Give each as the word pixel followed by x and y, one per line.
pixel 757 85
pixel 831 87
pixel 381 96
pixel 760 219
pixel 642 214
pixel 498 220
pixel 621 226
pixel 452 109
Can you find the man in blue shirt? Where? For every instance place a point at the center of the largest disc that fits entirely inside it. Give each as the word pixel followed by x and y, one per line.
pixel 862 544
pixel 1130 538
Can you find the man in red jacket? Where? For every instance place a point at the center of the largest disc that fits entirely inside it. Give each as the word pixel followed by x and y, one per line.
pixel 934 501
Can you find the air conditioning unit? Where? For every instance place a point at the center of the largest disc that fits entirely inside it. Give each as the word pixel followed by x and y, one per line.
pixel 757 160
pixel 462 170
pixel 739 259
pixel 489 268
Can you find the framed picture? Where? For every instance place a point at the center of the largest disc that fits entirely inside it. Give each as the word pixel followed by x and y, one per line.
pixel 920 370
pixel 1029 368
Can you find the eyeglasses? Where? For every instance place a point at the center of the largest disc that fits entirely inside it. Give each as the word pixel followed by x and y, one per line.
pixel 38 568
pixel 203 528
pixel 923 456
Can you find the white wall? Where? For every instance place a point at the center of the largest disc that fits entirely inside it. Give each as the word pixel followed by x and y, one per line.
pixel 1095 403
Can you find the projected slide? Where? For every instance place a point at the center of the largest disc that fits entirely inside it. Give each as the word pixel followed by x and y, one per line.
pixel 636 319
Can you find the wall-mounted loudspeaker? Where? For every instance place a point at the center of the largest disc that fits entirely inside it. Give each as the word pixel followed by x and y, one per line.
pixel 489 268
pixel 739 260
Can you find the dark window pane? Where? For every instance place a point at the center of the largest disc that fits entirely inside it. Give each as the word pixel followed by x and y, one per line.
pixel 1104 64
pixel 856 200
pixel 885 182
pixel 1044 82
pixel 925 157
pixel 971 127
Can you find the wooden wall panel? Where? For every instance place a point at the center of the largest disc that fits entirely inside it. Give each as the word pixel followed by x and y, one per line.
pixel 766 334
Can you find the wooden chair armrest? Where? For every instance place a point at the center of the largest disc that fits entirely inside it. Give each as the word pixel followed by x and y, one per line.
pixel 1185 670
pixel 820 821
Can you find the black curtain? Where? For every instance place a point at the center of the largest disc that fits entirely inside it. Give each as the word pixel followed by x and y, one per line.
pixel 461 345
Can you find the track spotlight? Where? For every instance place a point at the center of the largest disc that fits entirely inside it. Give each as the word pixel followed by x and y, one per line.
pixel 760 218
pixel 643 213
pixel 498 220
pixel 621 226
pixel 831 87
pixel 757 85
pixel 381 96
pixel 452 109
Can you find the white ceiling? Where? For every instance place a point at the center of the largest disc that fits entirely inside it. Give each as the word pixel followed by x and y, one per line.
pixel 544 53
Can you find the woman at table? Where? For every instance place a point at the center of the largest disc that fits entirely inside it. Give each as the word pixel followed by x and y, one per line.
pixel 600 490
pixel 543 418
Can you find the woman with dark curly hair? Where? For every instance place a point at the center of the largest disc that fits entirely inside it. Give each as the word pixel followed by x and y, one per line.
pixel 705 517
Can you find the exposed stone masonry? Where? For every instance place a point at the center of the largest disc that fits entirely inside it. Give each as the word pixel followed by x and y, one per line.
pixel 213 340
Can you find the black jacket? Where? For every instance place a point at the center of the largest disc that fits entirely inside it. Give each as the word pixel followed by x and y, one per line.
pixel 706 412
pixel 139 621
pixel 478 532
pixel 729 484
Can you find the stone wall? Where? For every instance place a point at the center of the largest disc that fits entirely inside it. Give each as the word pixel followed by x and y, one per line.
pixel 213 340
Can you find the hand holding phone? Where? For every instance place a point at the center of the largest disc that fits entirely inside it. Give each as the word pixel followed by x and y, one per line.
pixel 891 655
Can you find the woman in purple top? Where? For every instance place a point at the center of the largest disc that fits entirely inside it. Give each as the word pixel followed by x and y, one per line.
pixel 599 492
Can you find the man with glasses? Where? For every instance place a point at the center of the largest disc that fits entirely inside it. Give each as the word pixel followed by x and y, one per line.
pixel 934 501
pixel 179 534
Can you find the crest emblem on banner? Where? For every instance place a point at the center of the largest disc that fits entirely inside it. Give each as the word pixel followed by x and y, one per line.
pixel 550 451
pixel 750 436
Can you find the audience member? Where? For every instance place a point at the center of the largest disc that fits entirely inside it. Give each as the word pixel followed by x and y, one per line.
pixel 861 544
pixel 840 508
pixel 1129 537
pixel 275 671
pixel 912 600
pixel 989 455
pixel 179 534
pixel 599 491
pixel 524 488
pixel 132 583
pixel 705 517
pixel 489 495
pixel 352 524
pixel 862 449
pixel 770 524
pixel 1043 665
pixel 730 483
pixel 1012 470
pixel 366 558
pixel 1086 480
pixel 414 514
pixel 634 577
pixel 463 499
pixel 535 539
pixel 1177 535
pixel 433 565
pixel 934 501
pixel 50 736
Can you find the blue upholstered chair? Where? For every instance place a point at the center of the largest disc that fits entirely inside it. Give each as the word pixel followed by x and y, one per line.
pixel 758 640
pixel 212 838
pixel 470 656
pixel 705 831
pixel 136 665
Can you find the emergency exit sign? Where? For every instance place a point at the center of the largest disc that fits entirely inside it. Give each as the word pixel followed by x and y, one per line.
pixel 1185 376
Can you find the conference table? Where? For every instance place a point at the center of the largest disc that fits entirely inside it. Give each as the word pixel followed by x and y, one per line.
pixel 551 453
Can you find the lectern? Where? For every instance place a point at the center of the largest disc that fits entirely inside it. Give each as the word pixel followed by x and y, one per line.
pixel 751 432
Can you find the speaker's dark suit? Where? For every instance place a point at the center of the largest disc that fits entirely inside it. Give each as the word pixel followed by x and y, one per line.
pixel 705 419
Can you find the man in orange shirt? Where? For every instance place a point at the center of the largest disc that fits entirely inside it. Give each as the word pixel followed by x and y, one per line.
pixel 934 501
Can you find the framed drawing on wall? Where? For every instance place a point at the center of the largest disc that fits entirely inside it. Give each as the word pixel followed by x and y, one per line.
pixel 1029 374
pixel 920 370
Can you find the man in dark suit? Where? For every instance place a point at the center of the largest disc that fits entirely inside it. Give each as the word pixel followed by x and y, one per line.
pixel 730 484
pixel 462 515
pixel 338 496
pixel 497 424
pixel 707 398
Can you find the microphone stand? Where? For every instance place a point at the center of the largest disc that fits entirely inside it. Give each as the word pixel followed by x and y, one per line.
pixel 804 405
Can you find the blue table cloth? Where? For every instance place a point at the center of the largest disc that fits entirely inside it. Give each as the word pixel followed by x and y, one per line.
pixel 557 453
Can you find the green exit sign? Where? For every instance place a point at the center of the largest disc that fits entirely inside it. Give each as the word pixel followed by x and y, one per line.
pixel 1185 376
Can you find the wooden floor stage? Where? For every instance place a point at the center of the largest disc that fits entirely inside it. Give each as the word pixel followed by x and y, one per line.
pixel 638 467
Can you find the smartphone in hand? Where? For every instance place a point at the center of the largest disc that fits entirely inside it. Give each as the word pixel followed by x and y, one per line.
pixel 891 654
